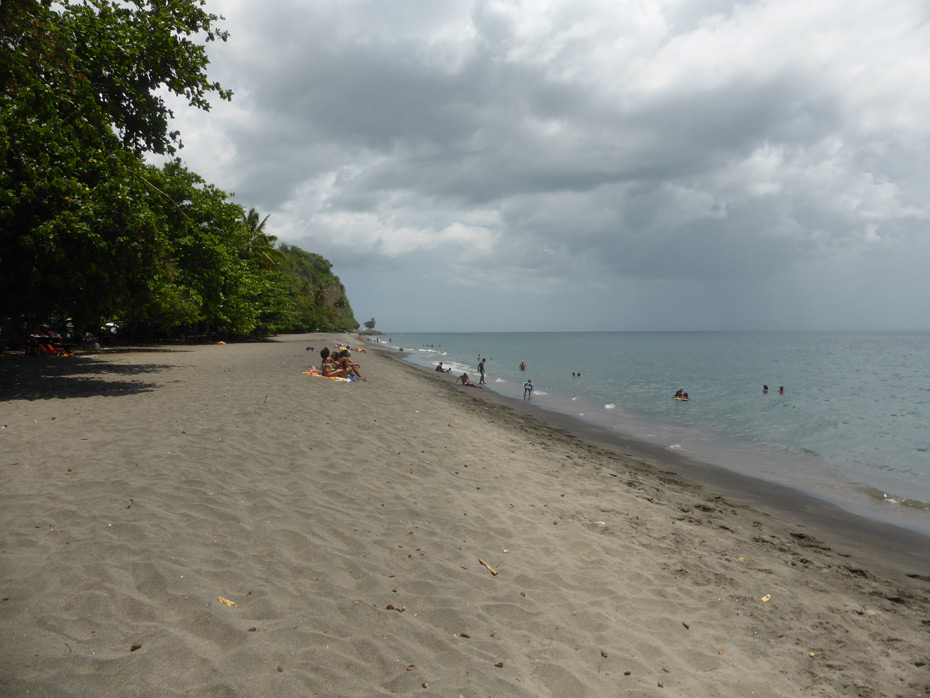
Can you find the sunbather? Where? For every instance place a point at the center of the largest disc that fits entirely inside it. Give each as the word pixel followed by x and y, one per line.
pixel 350 367
pixel 331 369
pixel 464 380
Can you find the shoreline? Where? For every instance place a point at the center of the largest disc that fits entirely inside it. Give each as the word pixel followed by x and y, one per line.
pixel 893 549
pixel 211 521
pixel 852 496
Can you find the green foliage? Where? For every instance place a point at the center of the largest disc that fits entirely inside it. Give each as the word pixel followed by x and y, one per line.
pixel 370 324
pixel 123 53
pixel 75 235
pixel 206 273
pixel 87 229
pixel 79 103
pixel 317 298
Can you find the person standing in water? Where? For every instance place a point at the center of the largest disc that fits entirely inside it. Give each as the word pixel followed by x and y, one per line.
pixel 481 372
pixel 528 389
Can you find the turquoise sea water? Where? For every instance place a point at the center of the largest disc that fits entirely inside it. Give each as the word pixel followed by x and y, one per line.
pixel 853 426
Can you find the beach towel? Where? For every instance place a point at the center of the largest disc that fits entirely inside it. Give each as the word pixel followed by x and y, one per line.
pixel 316 374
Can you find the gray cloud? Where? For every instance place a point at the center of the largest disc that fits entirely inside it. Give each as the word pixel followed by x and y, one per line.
pixel 713 164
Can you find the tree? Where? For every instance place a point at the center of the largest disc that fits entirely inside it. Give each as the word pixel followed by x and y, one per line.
pixel 123 56
pixel 319 296
pixel 80 101
pixel 260 245
pixel 87 229
pixel 206 279
pixel 370 324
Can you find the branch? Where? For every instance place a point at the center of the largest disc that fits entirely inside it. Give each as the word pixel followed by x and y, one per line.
pixel 176 204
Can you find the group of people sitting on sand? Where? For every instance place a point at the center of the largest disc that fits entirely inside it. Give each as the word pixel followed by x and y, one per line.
pixel 337 364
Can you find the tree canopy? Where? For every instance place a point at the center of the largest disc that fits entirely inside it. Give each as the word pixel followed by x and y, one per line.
pixel 88 229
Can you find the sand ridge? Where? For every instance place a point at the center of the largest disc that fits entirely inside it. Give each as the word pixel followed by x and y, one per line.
pixel 346 522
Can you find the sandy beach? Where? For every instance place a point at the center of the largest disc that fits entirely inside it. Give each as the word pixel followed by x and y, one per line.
pixel 209 521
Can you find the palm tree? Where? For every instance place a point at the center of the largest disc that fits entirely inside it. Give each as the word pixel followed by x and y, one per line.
pixel 260 245
pixel 252 223
pixel 319 296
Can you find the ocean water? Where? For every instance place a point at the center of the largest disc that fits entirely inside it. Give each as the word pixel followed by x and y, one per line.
pixel 853 426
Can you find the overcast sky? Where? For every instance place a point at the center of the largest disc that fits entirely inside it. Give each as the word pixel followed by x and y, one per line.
pixel 482 165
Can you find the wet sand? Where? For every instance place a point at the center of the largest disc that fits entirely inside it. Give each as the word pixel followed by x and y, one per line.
pixel 354 532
